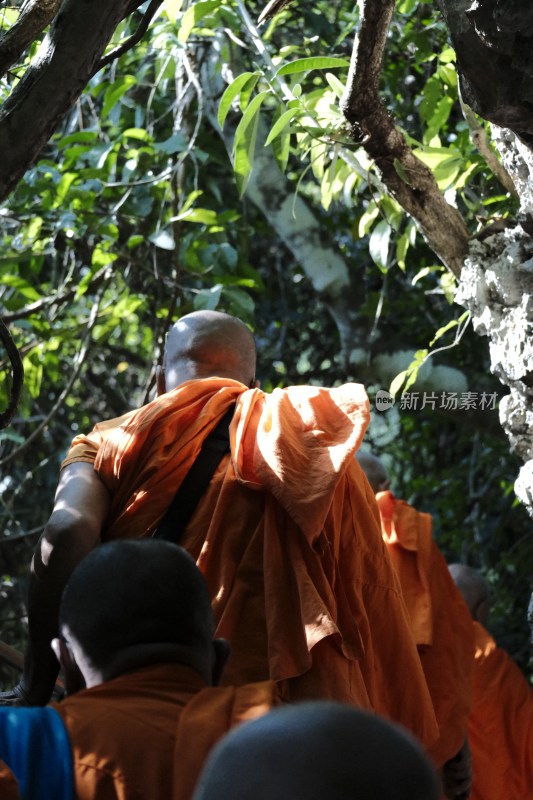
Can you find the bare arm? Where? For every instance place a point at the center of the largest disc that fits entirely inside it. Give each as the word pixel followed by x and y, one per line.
pixel 73 530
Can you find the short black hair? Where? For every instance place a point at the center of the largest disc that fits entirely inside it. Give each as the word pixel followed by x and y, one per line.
pixel 317 750
pixel 130 592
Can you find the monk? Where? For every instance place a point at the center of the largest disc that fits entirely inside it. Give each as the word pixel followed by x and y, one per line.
pixel 439 620
pixel 316 751
pixel 144 650
pixel 286 534
pixel 500 726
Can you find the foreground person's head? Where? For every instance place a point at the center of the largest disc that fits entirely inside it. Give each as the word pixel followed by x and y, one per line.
pixel 318 751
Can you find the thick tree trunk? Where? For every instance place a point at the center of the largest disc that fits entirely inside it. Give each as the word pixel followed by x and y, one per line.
pixel 493 40
pixel 497 286
pixel 494 46
pixel 62 68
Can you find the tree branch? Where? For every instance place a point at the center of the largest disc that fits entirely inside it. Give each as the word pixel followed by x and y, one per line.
pixel 34 17
pixel 133 39
pixel 409 180
pixel 480 139
pixel 53 82
pixel 18 375
pixel 73 377
pixel 51 300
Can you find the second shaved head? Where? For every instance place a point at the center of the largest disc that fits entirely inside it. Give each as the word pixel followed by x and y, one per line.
pixel 207 344
pixel 377 475
pixel 474 588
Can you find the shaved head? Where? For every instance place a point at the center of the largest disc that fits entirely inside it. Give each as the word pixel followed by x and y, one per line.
pixel 316 751
pixel 207 344
pixel 377 475
pixel 474 588
pixel 131 596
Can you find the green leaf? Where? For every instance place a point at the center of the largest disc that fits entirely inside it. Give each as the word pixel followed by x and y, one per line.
pixel 315 62
pixel 402 246
pixel 401 172
pixel 193 15
pixel 449 325
pixel 203 215
pixel 163 239
pixel 137 133
pixel 22 286
pixel 444 162
pixel 172 8
pixel 367 219
pixel 282 123
pixel 230 94
pixel 115 91
pixel 208 298
pixel 423 273
pixel 101 256
pixel 281 147
pixel 174 144
pixel 338 87
pixel 33 373
pixel 244 142
pixel 62 190
pixel 397 383
pixel 246 91
pixel 378 245
pixel 448 286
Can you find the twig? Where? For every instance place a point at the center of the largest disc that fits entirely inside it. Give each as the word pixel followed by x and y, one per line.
pixel 407 178
pixel 133 39
pixel 18 536
pixel 39 305
pixel 18 375
pixel 34 17
pixel 73 377
pixel 481 141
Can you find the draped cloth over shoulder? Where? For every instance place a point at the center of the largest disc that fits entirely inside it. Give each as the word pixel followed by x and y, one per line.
pixel 287 536
pixel 440 621
pixel 500 728
pixel 147 733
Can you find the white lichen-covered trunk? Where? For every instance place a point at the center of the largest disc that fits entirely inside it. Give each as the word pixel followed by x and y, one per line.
pixel 497 286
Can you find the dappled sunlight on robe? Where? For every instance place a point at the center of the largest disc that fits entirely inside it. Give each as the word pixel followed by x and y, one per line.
pixel 146 734
pixel 440 620
pixel 500 727
pixel 287 536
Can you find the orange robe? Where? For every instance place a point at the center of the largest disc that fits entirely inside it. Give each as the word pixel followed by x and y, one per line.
pixel 440 620
pixel 146 734
pixel 287 536
pixel 500 728
pixel 9 789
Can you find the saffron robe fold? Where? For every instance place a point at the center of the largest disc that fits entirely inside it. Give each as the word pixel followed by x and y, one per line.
pixel 287 536
pixel 500 727
pixel 440 620
pixel 147 733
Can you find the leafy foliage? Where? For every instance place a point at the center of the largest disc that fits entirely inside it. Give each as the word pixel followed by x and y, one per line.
pixel 135 214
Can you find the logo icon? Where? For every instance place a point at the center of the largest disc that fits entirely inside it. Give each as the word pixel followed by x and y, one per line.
pixel 384 400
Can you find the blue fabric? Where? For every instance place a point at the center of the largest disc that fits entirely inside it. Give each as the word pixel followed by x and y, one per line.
pixel 35 746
